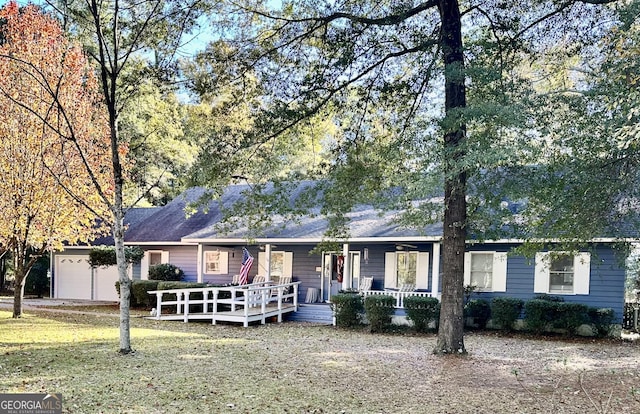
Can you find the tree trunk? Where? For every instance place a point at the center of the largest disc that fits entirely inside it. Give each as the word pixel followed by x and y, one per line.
pixel 18 294
pixel 125 285
pixel 451 329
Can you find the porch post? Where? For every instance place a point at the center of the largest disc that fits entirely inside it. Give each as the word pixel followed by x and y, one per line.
pixel 435 271
pixel 267 261
pixel 198 265
pixel 346 272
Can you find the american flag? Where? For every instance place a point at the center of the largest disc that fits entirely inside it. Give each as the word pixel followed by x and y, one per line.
pixel 247 261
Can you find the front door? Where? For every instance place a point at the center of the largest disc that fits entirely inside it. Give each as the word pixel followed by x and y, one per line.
pixel 333 273
pixel 354 264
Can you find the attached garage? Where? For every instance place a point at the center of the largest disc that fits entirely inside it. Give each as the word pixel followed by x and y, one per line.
pixel 74 279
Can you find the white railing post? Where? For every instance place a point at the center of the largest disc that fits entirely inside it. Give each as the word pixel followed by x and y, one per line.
pixel 179 296
pixel 214 309
pixel 158 304
pixel 187 295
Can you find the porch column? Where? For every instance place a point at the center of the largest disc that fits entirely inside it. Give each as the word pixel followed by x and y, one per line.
pixel 199 264
pixel 435 271
pixel 346 272
pixel 267 261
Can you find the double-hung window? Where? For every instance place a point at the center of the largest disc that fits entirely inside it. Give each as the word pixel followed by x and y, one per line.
pixel 406 268
pixel 486 271
pixel 562 273
pixel 216 262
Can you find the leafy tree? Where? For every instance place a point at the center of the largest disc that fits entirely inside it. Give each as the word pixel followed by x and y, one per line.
pixel 444 103
pixel 129 42
pixel 45 193
pixel 153 125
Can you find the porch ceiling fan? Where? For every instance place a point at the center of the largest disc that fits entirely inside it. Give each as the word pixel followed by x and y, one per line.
pixel 402 246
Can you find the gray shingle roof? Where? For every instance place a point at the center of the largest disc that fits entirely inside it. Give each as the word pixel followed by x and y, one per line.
pixel 171 223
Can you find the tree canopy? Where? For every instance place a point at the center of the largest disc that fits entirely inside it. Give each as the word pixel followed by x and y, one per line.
pixel 447 110
pixel 46 195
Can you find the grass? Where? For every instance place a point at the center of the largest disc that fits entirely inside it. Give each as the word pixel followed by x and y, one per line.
pixel 302 368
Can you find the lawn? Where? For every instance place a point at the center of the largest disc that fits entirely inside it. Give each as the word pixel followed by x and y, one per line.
pixel 302 368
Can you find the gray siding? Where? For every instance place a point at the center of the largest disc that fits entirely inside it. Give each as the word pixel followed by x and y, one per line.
pixel 606 286
pixel 184 257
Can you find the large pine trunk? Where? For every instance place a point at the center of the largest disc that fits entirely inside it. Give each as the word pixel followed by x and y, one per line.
pixel 451 329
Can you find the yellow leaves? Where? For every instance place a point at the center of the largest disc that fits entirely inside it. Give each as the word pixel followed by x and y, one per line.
pixel 54 142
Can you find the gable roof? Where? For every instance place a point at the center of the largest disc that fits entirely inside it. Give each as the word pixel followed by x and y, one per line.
pixel 171 224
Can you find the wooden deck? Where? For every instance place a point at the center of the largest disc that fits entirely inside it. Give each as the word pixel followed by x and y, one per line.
pixel 241 304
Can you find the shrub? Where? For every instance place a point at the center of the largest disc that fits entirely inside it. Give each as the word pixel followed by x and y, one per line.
pixel 479 310
pixel 139 293
pixel 37 282
pixel 166 272
pixel 548 297
pixel 102 256
pixel 140 296
pixel 505 311
pixel 538 313
pixel 601 321
pixel 347 309
pixel 422 311
pixel 570 316
pixel 379 309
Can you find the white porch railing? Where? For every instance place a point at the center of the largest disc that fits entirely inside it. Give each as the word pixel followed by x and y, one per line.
pixel 398 295
pixel 246 303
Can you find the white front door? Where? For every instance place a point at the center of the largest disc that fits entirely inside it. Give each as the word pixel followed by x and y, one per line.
pixel 331 275
pixel 354 262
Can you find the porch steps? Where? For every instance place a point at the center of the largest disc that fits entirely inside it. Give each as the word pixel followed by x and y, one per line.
pixel 316 313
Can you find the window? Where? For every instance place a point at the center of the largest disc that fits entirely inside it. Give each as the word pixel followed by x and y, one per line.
pixel 487 271
pixel 155 258
pixel 277 264
pixel 151 258
pixel 281 264
pixel 216 262
pixel 562 273
pixel 481 271
pixel 406 268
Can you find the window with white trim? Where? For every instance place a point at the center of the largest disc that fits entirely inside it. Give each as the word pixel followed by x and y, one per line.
pixel 487 271
pixel 562 273
pixel 280 264
pixel 216 262
pixel 406 268
pixel 151 258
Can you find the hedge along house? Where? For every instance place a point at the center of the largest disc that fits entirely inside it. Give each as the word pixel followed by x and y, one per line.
pixel 392 257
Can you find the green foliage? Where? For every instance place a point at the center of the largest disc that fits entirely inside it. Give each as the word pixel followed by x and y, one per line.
pixel 539 313
pixel 422 311
pixel 165 272
pixel 505 311
pixel 601 321
pixel 347 309
pixel 542 314
pixel 379 309
pixel 139 293
pixel 479 310
pixel 570 316
pixel 103 256
pixel 549 298
pixel 37 282
pixel 154 126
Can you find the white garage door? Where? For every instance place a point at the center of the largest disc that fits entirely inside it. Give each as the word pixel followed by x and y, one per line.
pixel 73 277
pixel 104 283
